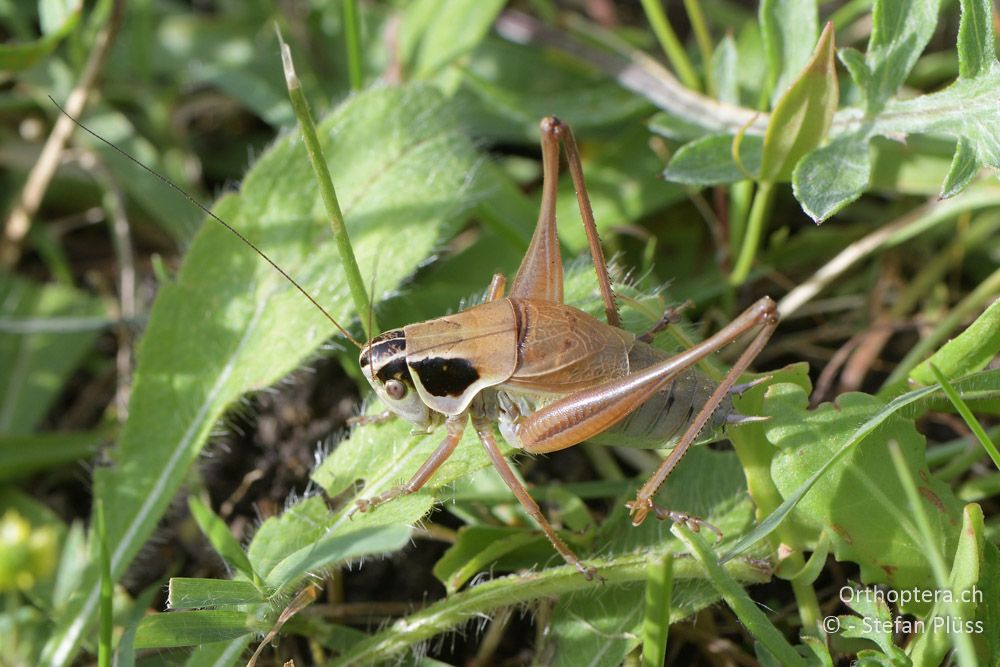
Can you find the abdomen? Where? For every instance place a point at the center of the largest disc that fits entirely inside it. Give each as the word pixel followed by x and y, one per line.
pixel 659 422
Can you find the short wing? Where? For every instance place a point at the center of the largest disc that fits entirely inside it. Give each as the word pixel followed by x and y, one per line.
pixel 453 358
pixel 563 349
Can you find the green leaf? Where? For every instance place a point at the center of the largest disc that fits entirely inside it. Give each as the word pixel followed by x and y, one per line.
pixel 21 455
pixel 476 549
pixel 231 325
pixel 190 628
pixel 725 71
pixel 983 385
pixel 969 352
pixel 856 66
pixel 125 650
pixel 220 654
pixel 976 51
pixel 505 102
pixel 222 540
pixel 831 177
pixel 970 419
pixel 964 166
pixel 874 620
pixel 187 593
pixel 45 332
pixel 859 501
pixel 802 115
pixel 597 629
pixel 709 160
pixel 334 548
pixel 437 32
pixel 708 484
pixel 789 29
pixel 900 31
pixel 966 110
pixel 59 19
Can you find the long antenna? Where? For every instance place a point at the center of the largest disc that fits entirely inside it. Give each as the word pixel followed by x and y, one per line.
pixel 212 215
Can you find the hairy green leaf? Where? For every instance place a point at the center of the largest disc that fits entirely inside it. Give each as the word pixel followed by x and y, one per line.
pixel 187 593
pixel 900 31
pixel 336 547
pixel 831 177
pixel 827 178
pixel 190 628
pixel 976 50
pixel 725 71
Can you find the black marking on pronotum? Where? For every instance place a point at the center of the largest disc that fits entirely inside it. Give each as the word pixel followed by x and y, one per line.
pixel 384 347
pixel 445 377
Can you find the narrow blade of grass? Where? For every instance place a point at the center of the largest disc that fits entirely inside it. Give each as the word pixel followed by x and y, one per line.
pixel 970 419
pixel 104 651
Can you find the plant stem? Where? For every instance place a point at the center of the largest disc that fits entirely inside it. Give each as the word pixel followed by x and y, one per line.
pixel 671 45
pixel 699 26
pixel 656 622
pixel 301 108
pixel 106 621
pixel 352 35
pixel 755 230
pixel 519 589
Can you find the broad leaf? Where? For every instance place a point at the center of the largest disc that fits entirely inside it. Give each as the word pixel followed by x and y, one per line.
pixel 900 31
pixel 435 33
pixel 858 502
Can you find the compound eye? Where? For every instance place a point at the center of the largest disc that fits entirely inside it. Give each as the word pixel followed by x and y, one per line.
pixel 395 389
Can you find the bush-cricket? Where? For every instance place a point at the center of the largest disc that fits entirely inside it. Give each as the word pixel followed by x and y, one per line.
pixel 550 375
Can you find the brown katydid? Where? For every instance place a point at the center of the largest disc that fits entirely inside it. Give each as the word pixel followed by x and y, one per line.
pixel 550 375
